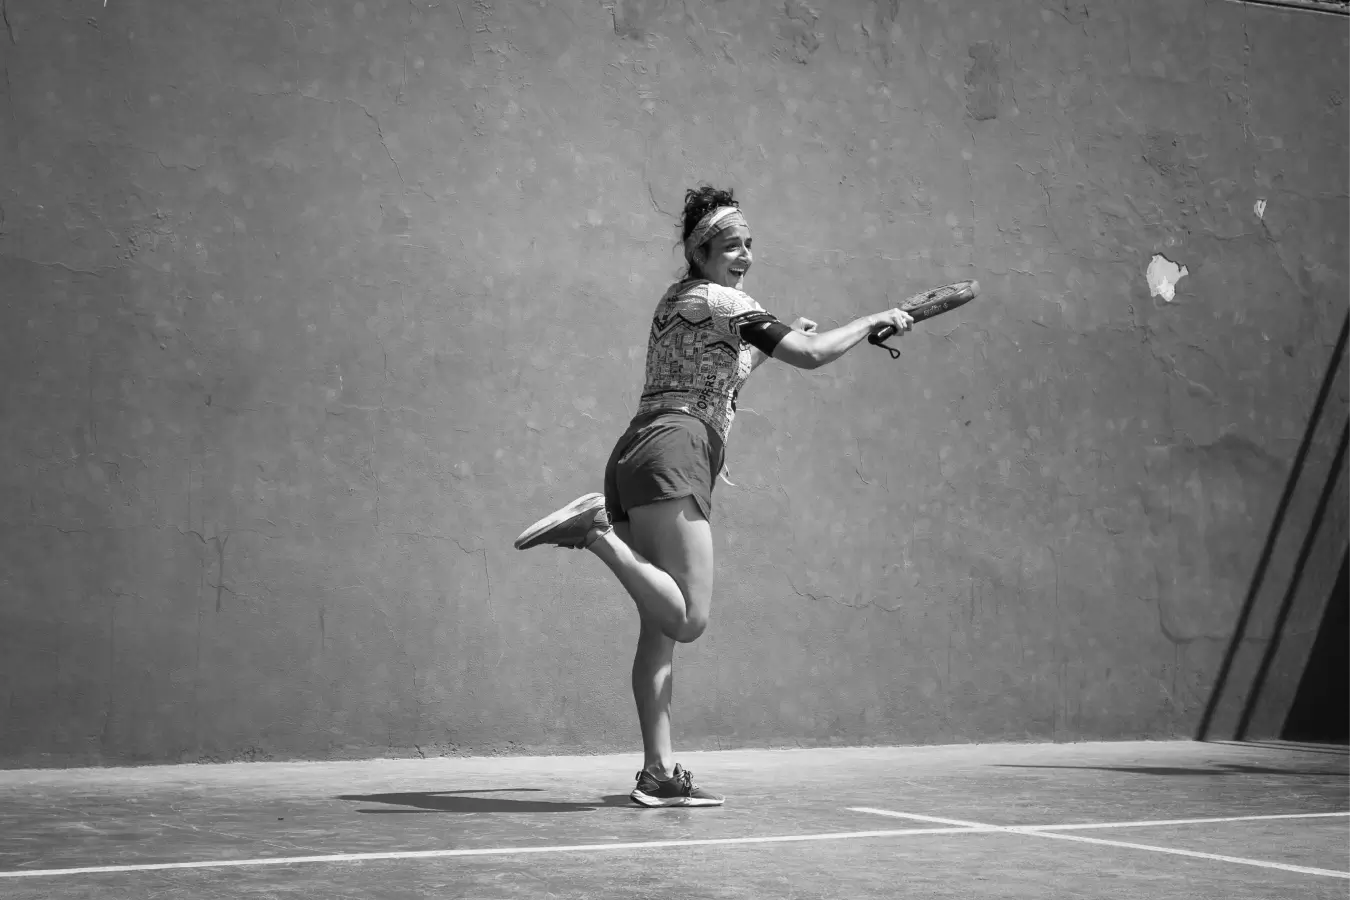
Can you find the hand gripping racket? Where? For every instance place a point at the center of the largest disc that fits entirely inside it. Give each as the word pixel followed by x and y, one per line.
pixel 925 306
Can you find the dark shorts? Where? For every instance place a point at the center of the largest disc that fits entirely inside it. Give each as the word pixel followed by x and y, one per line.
pixel 664 455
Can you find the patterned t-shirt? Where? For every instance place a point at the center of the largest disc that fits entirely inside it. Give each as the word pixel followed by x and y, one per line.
pixel 698 355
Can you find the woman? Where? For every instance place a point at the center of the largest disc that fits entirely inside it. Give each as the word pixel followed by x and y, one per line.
pixel 650 526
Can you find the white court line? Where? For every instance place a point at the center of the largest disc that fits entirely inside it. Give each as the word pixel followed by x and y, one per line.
pixel 974 826
pixel 1239 860
pixel 957 826
pixel 481 851
pixel 1076 825
pixel 1050 831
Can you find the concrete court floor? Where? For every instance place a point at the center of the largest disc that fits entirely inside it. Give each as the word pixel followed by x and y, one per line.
pixel 509 827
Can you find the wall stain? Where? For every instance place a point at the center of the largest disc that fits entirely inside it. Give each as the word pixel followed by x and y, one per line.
pixel 633 18
pixel 984 86
pixel 797 37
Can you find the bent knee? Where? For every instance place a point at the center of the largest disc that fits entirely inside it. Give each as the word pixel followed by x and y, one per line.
pixel 692 629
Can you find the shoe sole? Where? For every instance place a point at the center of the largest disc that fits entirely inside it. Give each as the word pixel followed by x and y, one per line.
pixel 552 520
pixel 651 802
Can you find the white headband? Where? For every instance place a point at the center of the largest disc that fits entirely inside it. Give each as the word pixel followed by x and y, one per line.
pixel 715 221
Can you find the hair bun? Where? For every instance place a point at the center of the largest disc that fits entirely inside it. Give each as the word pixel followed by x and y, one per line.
pixel 700 201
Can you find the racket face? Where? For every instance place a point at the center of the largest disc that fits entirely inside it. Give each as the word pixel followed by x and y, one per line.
pixel 926 305
pixel 940 299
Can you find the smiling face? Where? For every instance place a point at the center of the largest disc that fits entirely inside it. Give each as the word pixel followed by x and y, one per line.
pixel 726 258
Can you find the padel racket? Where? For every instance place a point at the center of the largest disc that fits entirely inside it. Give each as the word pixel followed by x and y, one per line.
pixel 925 306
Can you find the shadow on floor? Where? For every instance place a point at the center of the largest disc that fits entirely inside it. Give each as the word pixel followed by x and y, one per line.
pixel 1221 769
pixel 463 802
pixel 1293 746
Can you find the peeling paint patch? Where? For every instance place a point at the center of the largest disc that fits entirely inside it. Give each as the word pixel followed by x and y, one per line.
pixel 797 31
pixel 1163 275
pixel 632 19
pixel 1260 209
pixel 984 90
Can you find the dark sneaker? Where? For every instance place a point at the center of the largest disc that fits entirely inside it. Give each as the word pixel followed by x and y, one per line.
pixel 568 526
pixel 679 790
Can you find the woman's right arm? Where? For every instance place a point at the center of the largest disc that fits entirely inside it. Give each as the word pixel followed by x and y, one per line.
pixel 813 350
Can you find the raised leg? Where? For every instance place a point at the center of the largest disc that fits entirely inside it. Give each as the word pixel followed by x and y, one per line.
pixel 664 558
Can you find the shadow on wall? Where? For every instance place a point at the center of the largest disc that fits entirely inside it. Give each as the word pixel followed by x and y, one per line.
pixel 1321 710
pixel 1254 697
pixel 461 802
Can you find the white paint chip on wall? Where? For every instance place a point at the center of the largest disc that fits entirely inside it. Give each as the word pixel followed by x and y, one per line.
pixel 1163 275
pixel 1260 209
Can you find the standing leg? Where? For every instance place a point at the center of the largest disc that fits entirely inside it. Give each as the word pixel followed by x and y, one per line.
pixel 673 539
pixel 653 679
pixel 676 533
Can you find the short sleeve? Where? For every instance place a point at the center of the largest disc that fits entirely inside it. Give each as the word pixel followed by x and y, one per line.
pixel 736 308
pixel 745 319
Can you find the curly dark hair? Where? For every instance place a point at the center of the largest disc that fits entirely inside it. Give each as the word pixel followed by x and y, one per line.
pixel 700 201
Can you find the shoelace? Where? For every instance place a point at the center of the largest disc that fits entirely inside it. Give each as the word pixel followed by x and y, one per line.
pixel 684 780
pixel 583 545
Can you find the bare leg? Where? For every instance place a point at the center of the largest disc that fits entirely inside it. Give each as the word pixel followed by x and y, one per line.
pixel 664 558
pixel 653 679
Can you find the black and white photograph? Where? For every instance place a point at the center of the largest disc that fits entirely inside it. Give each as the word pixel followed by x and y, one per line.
pixel 674 449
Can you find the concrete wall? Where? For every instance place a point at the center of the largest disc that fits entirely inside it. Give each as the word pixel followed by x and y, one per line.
pixel 307 308
pixel 1274 649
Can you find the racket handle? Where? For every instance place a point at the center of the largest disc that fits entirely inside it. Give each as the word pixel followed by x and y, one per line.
pixel 881 334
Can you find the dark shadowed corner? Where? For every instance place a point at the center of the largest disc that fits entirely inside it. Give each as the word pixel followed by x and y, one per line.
pixel 1300 694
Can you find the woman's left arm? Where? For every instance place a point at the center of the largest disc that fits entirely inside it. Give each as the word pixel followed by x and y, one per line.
pixel 758 357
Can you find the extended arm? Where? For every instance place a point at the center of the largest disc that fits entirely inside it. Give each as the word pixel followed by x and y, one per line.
pixel 811 350
pixel 767 337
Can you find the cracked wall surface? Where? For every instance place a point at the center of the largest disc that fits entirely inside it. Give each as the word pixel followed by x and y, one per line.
pixel 307 309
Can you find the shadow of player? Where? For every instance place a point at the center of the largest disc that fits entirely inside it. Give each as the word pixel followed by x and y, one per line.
pixel 464 802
